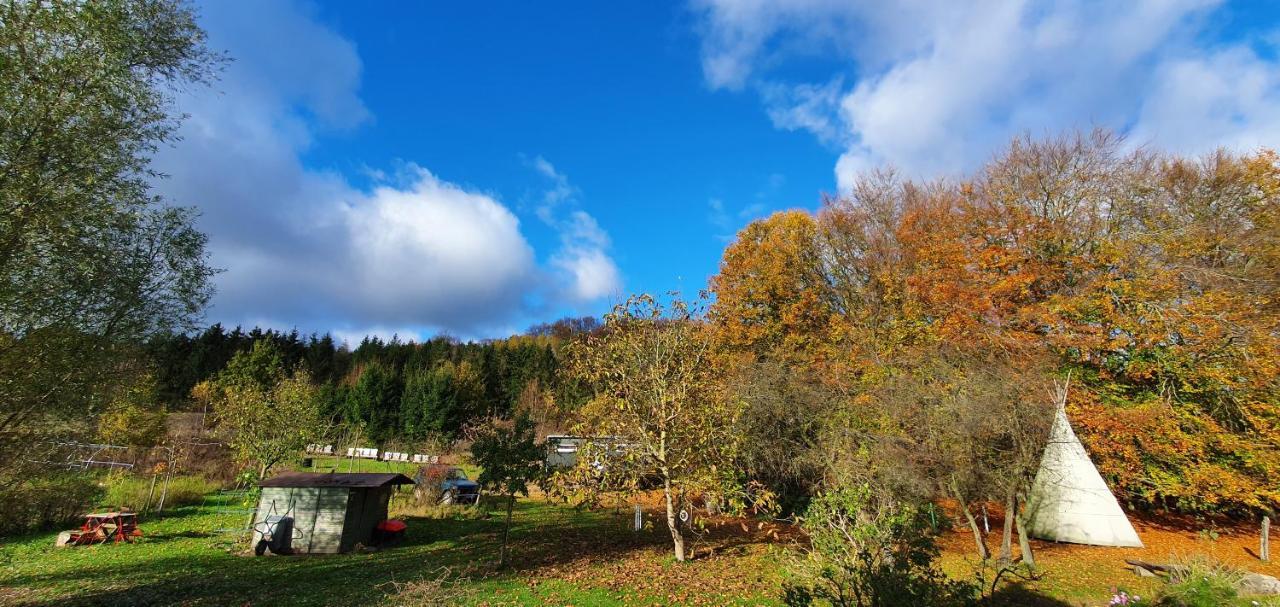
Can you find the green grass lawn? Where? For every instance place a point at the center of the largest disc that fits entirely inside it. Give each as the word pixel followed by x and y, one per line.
pixel 184 560
pixel 561 556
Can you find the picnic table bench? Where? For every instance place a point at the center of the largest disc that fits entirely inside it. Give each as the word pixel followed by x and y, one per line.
pixel 103 527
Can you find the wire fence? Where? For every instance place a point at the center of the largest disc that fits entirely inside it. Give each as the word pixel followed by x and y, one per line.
pixel 234 510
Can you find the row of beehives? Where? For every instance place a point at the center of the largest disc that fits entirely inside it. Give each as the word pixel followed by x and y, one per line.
pixel 371 453
pixel 391 456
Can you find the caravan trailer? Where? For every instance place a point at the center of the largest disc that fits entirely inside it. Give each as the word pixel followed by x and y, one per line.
pixel 563 449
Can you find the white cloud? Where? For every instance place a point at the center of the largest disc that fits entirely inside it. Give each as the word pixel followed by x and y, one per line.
pixel 432 250
pixel 810 107
pixel 937 86
pixel 561 190
pixel 584 265
pixel 1229 98
pixel 413 254
pixel 594 275
pixel 583 258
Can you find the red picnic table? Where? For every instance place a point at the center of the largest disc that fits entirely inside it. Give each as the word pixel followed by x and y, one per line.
pixel 103 527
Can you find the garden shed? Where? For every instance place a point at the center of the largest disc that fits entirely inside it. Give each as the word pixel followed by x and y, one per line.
pixel 332 512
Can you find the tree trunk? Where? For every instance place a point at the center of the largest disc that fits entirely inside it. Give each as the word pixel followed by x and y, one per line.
pixel 506 530
pixel 1264 544
pixel 1024 542
pixel 677 539
pixel 978 542
pixel 1006 533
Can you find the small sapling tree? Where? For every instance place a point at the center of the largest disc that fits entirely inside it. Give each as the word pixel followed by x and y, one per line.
pixel 511 458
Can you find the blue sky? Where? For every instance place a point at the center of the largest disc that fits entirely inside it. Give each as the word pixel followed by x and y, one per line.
pixel 474 168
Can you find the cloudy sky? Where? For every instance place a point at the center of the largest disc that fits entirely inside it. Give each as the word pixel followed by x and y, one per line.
pixel 474 168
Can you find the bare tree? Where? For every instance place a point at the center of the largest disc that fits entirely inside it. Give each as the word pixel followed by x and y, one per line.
pixel 948 424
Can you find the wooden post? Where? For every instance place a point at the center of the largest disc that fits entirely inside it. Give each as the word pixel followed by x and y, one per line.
pixel 1264 545
pixel 150 493
pixel 164 492
pixel 168 474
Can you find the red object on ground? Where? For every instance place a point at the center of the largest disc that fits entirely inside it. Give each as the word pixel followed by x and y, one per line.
pixel 392 526
pixel 103 527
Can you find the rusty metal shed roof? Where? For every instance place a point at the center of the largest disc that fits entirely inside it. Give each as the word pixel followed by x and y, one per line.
pixel 336 479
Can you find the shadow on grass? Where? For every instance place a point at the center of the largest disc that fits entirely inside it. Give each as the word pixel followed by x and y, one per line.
pixel 1018 595
pixel 179 568
pixel 181 535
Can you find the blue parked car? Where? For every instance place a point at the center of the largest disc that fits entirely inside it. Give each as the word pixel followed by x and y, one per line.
pixel 458 489
pixel 449 482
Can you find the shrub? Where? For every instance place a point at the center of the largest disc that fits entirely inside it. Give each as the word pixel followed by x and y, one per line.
pixel 868 552
pixel 131 491
pixel 47 501
pixel 440 511
pixel 427 481
pixel 1199 582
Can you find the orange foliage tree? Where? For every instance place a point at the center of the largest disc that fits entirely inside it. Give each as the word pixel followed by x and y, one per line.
pixel 1153 277
pixel 770 294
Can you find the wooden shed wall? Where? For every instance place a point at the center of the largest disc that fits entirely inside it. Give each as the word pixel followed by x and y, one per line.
pixel 365 509
pixel 319 515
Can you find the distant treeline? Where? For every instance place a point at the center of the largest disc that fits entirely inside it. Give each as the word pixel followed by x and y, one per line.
pixel 391 389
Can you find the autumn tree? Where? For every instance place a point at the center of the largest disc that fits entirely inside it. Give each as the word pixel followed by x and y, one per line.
pixel 657 393
pixel 771 292
pixel 870 265
pixel 539 403
pixel 91 260
pixel 785 417
pixel 133 417
pixel 774 324
pixel 1154 277
pixel 1149 277
pixel 510 458
pixel 269 413
pixel 955 425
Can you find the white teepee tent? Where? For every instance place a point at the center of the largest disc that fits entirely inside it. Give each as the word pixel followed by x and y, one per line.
pixel 1069 501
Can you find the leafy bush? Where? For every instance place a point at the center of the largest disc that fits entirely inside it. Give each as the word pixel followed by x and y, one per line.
pixel 47 501
pixel 1199 582
pixel 133 417
pixel 439 511
pixel 866 551
pixel 130 491
pixel 427 489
